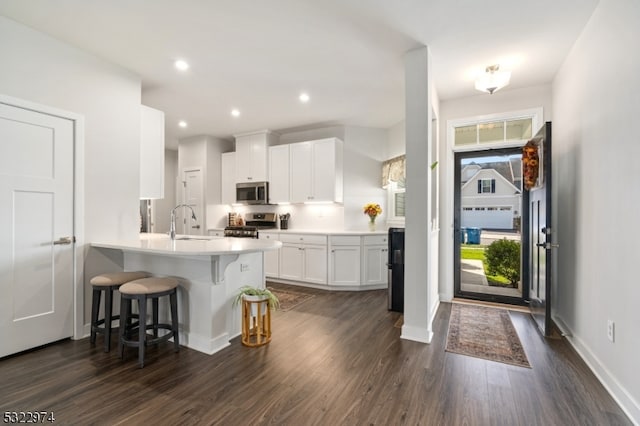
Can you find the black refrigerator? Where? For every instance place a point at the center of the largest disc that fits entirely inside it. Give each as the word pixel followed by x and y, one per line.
pixel 396 269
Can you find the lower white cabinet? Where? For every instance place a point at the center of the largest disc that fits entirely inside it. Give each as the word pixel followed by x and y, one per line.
pixel 344 260
pixel 304 258
pixel 374 259
pixel 271 257
pixel 216 232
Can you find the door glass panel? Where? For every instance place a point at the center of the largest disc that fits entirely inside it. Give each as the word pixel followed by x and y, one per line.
pixel 519 129
pixel 489 202
pixel 491 132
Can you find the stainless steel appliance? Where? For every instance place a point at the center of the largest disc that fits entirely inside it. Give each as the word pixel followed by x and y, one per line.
pixel 396 269
pixel 254 222
pixel 252 193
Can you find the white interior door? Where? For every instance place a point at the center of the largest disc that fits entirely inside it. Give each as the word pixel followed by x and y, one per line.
pixel 193 196
pixel 36 228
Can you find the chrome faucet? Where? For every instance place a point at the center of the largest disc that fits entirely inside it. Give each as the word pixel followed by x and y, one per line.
pixel 172 226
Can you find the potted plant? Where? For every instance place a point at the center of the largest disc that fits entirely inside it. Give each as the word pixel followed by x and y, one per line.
pixel 257 295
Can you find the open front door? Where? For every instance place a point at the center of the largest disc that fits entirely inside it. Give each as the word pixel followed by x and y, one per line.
pixel 537 179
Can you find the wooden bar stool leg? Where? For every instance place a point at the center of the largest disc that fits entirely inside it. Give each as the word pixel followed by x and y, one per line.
pixel 173 299
pixel 108 309
pixel 142 331
pixel 125 312
pixel 95 310
pixel 154 302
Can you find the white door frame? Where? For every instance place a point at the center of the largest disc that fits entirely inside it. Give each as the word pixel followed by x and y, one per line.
pixel 78 201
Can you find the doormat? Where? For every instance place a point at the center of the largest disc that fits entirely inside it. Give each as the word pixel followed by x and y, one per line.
pixel 289 299
pixel 485 333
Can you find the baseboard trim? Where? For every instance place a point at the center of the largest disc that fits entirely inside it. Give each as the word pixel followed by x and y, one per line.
pixel 416 334
pixel 625 400
pixel 204 344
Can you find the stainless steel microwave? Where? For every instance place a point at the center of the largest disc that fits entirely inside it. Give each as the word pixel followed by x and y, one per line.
pixel 252 193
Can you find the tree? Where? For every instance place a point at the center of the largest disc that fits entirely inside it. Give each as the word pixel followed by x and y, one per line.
pixel 503 258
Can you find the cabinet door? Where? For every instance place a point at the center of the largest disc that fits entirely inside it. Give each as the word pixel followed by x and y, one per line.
pixel 228 178
pixel 374 265
pixel 300 169
pixel 251 158
pixel 271 257
pixel 291 261
pixel 345 265
pixel 151 153
pixel 315 264
pixel 279 174
pixel 324 170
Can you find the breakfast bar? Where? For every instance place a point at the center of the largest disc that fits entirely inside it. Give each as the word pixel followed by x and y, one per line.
pixel 210 270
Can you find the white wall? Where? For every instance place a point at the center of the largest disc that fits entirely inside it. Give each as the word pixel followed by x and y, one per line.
pixel 397 140
pixel 40 69
pixel 502 101
pixel 596 196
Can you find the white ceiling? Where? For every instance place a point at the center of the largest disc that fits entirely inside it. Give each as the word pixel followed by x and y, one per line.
pixel 258 55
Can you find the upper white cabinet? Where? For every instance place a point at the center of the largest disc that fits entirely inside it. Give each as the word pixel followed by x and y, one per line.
pixel 279 174
pixel 151 153
pixel 316 171
pixel 251 156
pixel 228 178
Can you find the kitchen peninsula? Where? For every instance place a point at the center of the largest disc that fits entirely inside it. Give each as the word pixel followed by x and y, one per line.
pixel 211 270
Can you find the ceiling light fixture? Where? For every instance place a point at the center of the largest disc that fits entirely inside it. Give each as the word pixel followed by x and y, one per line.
pixel 304 98
pixel 182 124
pixel 181 65
pixel 493 79
pixel 235 112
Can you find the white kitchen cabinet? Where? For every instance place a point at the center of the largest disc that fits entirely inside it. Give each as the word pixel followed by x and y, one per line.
pixel 303 257
pixel 344 260
pixel 374 259
pixel 251 156
pixel 316 171
pixel 228 177
pixel 151 153
pixel 271 257
pixel 279 174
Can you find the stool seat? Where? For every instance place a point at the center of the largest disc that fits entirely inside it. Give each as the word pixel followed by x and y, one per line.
pixel 107 283
pixel 149 285
pixel 142 290
pixel 117 278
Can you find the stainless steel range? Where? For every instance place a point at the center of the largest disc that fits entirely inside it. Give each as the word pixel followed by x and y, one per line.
pixel 254 222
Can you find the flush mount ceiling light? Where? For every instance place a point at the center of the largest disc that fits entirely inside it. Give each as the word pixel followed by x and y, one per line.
pixel 493 79
pixel 304 98
pixel 182 123
pixel 235 112
pixel 181 65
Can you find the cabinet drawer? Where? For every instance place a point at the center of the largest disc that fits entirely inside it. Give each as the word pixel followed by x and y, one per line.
pixel 345 240
pixel 268 236
pixel 375 240
pixel 303 238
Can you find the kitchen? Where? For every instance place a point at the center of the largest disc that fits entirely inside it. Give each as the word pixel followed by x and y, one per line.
pixel 46 68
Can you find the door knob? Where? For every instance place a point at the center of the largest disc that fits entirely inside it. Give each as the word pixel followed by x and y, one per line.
pixel 547 246
pixel 64 241
pixel 196 227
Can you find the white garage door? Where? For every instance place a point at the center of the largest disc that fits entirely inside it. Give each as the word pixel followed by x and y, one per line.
pixel 487 218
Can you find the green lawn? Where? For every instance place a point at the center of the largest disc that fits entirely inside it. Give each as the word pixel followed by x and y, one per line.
pixel 476 252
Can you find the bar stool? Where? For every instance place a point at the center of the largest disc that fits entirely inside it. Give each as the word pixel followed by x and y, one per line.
pixel 141 290
pixel 107 283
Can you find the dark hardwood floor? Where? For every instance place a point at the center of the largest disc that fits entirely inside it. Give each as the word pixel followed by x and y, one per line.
pixel 334 359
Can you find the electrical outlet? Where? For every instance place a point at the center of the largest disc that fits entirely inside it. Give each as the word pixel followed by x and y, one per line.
pixel 611 329
pixel 244 267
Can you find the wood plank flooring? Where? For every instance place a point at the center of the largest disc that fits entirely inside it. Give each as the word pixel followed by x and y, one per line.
pixel 335 359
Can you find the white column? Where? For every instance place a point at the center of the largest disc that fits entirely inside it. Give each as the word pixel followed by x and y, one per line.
pixel 417 321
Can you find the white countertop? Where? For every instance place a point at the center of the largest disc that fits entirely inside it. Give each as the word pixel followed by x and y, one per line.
pixel 317 231
pixel 200 246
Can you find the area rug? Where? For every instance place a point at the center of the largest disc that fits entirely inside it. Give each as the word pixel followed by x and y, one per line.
pixel 289 299
pixel 485 333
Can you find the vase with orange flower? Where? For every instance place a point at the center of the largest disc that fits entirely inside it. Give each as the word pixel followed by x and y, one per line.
pixel 372 210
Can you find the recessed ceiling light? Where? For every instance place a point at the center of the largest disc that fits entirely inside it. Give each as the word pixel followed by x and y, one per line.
pixel 304 97
pixel 235 112
pixel 181 65
pixel 182 123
